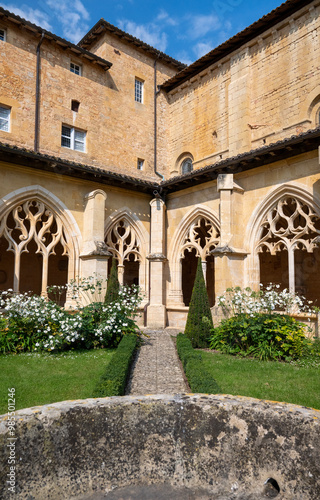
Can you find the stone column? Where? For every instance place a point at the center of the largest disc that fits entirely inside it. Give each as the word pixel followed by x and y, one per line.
pixel 156 312
pixel 94 255
pixel 229 259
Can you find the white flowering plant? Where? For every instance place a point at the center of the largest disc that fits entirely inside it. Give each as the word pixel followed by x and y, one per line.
pixel 259 324
pixel 33 323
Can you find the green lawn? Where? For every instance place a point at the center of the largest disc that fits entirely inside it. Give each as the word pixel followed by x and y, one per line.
pixel 47 378
pixel 297 383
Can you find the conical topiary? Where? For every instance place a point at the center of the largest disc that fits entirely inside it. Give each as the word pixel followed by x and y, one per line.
pixel 113 284
pixel 199 321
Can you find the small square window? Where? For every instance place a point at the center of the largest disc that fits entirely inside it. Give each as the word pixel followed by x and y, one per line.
pixel 75 68
pixel 75 105
pixel 3 35
pixel 5 119
pixel 138 90
pixel 140 164
pixel 73 138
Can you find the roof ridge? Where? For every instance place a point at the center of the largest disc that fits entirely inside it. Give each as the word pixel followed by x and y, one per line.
pixel 121 33
pixel 11 16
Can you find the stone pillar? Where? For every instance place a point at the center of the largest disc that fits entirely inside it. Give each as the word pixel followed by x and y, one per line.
pixel 94 255
pixel 229 260
pixel 156 312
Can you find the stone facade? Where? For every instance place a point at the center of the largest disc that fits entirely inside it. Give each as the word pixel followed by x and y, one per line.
pixel 245 117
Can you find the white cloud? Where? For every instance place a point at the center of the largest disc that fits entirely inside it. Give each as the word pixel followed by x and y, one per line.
pixel 72 16
pixel 202 48
pixel 35 16
pixel 201 25
pixel 164 17
pixel 149 33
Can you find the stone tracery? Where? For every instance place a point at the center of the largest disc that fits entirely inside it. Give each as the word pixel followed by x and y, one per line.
pixel 290 225
pixel 32 226
pixel 202 236
pixel 123 242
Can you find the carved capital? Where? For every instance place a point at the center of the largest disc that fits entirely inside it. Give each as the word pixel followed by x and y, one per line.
pixel 157 257
pixel 100 250
pixel 227 250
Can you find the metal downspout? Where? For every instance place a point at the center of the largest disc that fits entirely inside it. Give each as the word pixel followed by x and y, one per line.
pixel 37 110
pixel 156 92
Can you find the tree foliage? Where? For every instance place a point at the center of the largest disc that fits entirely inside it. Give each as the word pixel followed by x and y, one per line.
pixel 199 321
pixel 113 284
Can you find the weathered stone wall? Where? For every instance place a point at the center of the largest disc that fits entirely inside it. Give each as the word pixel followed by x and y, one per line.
pixel 265 91
pixel 118 129
pixel 228 447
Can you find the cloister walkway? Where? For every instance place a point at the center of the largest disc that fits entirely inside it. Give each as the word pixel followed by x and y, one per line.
pixel 157 368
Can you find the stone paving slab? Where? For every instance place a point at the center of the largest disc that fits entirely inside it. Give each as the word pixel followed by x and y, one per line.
pixel 157 369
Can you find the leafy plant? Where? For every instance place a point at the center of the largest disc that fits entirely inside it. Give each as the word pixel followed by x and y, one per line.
pixel 199 379
pixel 199 320
pixel 265 336
pixel 113 381
pixel 113 284
pixel 31 323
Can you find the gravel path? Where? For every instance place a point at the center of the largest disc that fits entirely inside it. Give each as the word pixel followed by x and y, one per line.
pixel 157 369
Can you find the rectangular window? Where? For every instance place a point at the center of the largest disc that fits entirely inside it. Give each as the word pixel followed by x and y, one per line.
pixel 5 119
pixel 73 138
pixel 75 68
pixel 138 90
pixel 140 164
pixel 2 35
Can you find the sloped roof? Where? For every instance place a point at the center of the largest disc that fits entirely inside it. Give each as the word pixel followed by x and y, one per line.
pixel 37 30
pixel 257 28
pixel 102 25
pixel 271 153
pixel 280 150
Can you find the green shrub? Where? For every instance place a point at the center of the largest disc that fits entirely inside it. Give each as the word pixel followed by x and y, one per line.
pixel 199 321
pixel 199 379
pixel 113 381
pixel 113 284
pixel 264 336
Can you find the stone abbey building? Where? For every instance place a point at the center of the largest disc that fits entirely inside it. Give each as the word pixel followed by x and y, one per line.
pixel 110 147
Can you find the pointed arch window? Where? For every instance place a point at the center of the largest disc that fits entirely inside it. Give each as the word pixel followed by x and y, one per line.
pixel 200 239
pixel 35 236
pixel 124 244
pixel 289 228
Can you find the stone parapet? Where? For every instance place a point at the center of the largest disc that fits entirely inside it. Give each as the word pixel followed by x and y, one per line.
pixel 231 447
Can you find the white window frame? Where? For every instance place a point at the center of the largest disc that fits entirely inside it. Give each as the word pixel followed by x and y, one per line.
pixel 75 68
pixel 138 90
pixel 3 35
pixel 140 164
pixel 74 138
pixel 5 120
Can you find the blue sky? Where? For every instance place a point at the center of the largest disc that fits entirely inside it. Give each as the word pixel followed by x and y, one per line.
pixel 183 29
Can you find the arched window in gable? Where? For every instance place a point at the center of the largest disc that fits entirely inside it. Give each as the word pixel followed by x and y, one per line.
pixel 288 247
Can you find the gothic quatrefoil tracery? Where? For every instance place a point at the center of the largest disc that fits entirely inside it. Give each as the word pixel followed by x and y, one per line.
pixel 290 224
pixel 202 236
pixel 123 242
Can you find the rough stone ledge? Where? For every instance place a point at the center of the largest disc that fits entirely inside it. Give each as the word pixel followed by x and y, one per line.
pixel 224 445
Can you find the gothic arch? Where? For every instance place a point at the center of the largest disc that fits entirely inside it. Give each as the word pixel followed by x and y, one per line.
pixel 128 240
pixel 287 221
pixel 34 212
pixel 186 239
